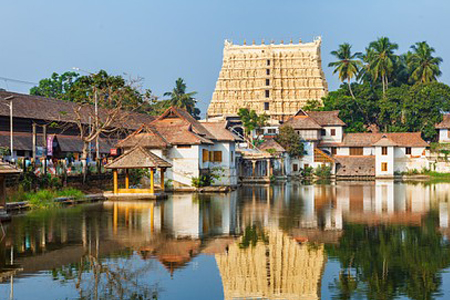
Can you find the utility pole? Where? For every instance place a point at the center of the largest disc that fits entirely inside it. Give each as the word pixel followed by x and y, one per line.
pixel 97 148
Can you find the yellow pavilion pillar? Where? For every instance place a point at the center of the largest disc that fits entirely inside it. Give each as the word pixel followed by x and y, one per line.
pixel 152 180
pixel 127 179
pixel 115 179
pixel 162 171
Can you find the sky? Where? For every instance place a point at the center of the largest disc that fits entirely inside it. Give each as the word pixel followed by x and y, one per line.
pixel 163 40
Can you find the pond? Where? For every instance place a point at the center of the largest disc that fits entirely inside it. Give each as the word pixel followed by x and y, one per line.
pixel 350 240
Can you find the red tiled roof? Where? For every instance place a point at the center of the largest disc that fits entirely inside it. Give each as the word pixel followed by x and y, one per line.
pixel 138 158
pixel 271 144
pixel 219 131
pixel 303 122
pixel 445 124
pixel 400 139
pixel 146 136
pixel 326 118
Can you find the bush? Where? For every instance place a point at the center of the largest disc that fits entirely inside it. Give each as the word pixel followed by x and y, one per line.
pixel 323 171
pixel 307 172
pixel 41 199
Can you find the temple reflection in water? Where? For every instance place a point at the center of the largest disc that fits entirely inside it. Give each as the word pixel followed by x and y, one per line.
pixel 268 241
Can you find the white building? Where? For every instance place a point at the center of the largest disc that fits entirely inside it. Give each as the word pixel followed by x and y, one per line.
pixel 355 154
pixel 193 148
pixel 444 129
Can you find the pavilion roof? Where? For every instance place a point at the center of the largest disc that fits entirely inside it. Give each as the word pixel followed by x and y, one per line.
pixel 6 168
pixel 138 158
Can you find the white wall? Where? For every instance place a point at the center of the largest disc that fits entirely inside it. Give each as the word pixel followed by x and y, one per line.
pixel 443 136
pixel 228 167
pixel 328 138
pixel 389 159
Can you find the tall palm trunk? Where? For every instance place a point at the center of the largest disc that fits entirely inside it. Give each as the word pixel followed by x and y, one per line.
pixel 350 88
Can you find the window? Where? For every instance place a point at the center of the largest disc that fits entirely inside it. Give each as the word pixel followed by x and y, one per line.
pixel 268 62
pixel 384 150
pixel 267 93
pixel 205 155
pixel 267 81
pixel 272 131
pixel 333 132
pixel 217 156
pixel 408 150
pixel 384 167
pixel 323 132
pixel 266 105
pixel 333 150
pixel 232 156
pixel 267 71
pixel 305 166
pixel 356 151
pixel 294 168
pixel 183 146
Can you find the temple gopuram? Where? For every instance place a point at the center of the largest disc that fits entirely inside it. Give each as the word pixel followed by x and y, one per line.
pixel 276 79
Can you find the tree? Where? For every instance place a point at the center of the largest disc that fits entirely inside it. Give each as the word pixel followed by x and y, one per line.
pixel 290 140
pixel 57 86
pixel 180 98
pixel 424 67
pixel 347 66
pixel 251 121
pixel 380 59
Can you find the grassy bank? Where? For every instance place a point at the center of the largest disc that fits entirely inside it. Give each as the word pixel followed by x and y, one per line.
pixel 44 198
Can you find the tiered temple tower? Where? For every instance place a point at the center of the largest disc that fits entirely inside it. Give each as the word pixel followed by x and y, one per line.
pixel 272 79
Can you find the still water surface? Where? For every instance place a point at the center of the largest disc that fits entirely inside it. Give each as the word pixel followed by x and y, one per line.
pixel 373 240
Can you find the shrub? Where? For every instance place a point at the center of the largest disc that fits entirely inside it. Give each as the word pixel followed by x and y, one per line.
pixel 323 171
pixel 307 172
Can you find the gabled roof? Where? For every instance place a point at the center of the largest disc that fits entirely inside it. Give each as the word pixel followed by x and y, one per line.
pixel 385 142
pixel 271 144
pixel 363 165
pixel 303 122
pixel 146 136
pixel 219 131
pixel 445 124
pixel 138 158
pixel 326 118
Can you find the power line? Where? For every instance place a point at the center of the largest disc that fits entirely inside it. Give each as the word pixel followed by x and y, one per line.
pixel 18 81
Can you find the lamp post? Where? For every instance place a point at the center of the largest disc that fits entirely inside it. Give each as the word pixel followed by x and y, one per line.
pixel 10 105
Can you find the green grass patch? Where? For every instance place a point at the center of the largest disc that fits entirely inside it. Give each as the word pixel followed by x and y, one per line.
pixel 44 198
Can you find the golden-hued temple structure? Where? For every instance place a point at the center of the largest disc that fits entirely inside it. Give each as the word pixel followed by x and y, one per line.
pixel 276 79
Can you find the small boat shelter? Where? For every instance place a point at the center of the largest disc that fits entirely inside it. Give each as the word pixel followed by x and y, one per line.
pixel 138 158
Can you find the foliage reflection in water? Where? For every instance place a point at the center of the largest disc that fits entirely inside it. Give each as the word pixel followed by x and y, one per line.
pixel 374 240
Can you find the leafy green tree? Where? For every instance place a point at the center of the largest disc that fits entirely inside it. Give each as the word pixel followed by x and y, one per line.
pixel 313 105
pixel 57 86
pixel 290 140
pixel 381 60
pixel 424 67
pixel 251 121
pixel 180 98
pixel 348 64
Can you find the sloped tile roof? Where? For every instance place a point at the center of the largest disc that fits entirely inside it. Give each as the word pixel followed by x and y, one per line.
pixel 400 139
pixel 138 158
pixel 445 124
pixel 326 118
pixel 271 144
pixel 219 131
pixel 41 108
pixel 385 142
pixel 146 136
pixel 303 122
pixel 6 168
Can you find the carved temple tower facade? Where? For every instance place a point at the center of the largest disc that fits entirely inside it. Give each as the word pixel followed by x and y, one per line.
pixel 276 79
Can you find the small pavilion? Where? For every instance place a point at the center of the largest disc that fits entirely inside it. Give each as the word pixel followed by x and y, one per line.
pixel 138 158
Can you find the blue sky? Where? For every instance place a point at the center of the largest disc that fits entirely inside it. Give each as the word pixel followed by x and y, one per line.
pixel 163 40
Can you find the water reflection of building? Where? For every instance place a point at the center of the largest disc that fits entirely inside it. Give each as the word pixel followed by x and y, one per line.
pixel 277 268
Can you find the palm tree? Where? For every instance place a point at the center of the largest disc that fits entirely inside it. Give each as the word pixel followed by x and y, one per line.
pixel 423 66
pixel 347 65
pixel 179 98
pixel 381 60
